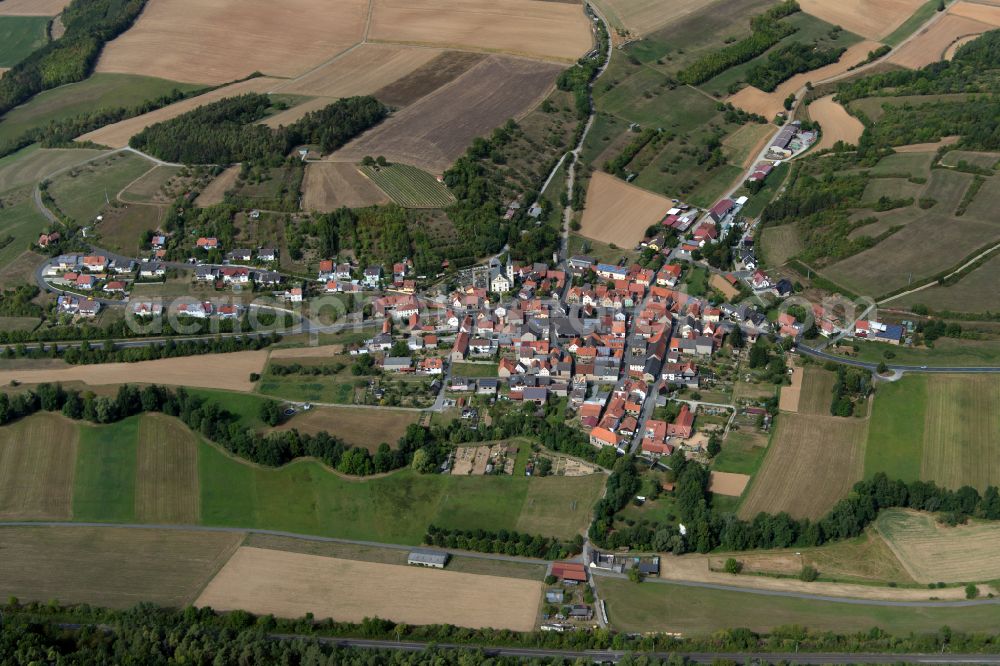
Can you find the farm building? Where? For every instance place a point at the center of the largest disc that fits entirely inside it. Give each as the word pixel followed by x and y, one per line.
pixel 569 571
pixel 721 210
pixel 427 558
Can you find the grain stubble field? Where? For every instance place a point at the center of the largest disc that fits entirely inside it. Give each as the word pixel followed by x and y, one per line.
pixel 873 19
pixel 329 185
pixel 37 457
pixel 289 584
pixel 617 212
pixel 836 122
pixel 931 552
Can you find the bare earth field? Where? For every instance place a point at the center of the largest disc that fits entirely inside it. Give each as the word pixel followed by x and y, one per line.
pixel 225 40
pixel 360 71
pixel 788 400
pixel 931 43
pixel 436 130
pixel 329 185
pixel 355 425
pixel 769 104
pixel 427 78
pixel 932 552
pixel 37 461
pixel 118 134
pixel 215 191
pixel 32 7
pixel 836 122
pixel 617 212
pixel 292 584
pixel 812 462
pixel 222 371
pixel 641 17
pixel 869 18
pixel 727 483
pixel 537 29
pixel 110 567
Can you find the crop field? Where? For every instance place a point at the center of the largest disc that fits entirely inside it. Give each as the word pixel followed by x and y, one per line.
pixel 780 243
pixel 409 186
pixel 215 192
pixel 769 104
pixel 290 585
pixel 19 36
pixel 82 192
pixel 166 482
pixel 812 462
pixel 617 212
pixel 188 40
pixel 548 30
pixel 641 17
pixel 88 95
pixel 110 567
pixel 117 135
pixel 32 7
pixel 356 426
pixel 975 292
pixel 104 488
pixel 931 44
pixel 933 552
pixel 329 185
pixel 32 164
pixel 817 391
pixel 360 71
pixel 436 130
pixel 837 124
pixel 36 468
pixel 219 371
pixel 982 160
pixel 873 19
pixel 445 67
pixel 742 146
pixel 22 220
pixel 700 612
pixel 557 509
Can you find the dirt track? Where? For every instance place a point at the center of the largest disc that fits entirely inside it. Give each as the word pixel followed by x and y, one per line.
pixel 221 371
pixel 292 584
pixel 225 40
pixel 617 212
pixel 836 122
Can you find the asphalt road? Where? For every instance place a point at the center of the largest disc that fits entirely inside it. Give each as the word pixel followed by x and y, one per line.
pixel 815 353
pixel 614 656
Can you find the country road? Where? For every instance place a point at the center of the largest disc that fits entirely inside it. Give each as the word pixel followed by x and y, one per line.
pixel 815 353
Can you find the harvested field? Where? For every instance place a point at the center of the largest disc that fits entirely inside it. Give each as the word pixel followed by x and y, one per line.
pixel 427 78
pixel 433 132
pixel 949 52
pixel 295 113
pixel 817 391
pixel 791 395
pixel 836 122
pixel 329 185
pixel 37 456
pixel 118 134
pixel 293 584
pixel 641 17
pixel 222 371
pixel 548 30
pixel 110 567
pixel 215 42
pixel 30 165
pixel 869 18
pixel 962 20
pixel 355 425
pixel 961 423
pixel 409 186
pixel 769 104
pixel 360 71
pixel 933 552
pixel 975 292
pixel 727 483
pixel 813 462
pixel 617 212
pixel 166 480
pixel 215 191
pixel 32 7
pixel 927 147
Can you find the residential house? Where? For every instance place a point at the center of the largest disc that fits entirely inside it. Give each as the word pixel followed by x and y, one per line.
pixel 683 425
pixel 204 243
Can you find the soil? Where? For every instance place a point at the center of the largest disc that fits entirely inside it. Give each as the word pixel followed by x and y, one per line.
pixel 328 186
pixel 873 19
pixel 290 585
pixel 617 212
pixel 727 483
pixel 837 123
pixel 931 44
pixel 427 78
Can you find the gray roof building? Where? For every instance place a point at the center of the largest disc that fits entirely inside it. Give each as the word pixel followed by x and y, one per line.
pixel 428 558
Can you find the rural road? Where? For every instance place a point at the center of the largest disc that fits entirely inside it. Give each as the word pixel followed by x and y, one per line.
pixel 815 353
pixel 614 656
pixel 961 268
pixel 509 558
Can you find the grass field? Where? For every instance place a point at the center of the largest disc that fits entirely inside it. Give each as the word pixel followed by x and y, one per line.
pixel 938 428
pixel 36 468
pixel 110 567
pixel 817 391
pixel 699 612
pixel 104 489
pixel 933 552
pixel 975 292
pixel 812 462
pixel 30 165
pixel 742 453
pixel 19 36
pixel 20 219
pixel 910 25
pixel 81 193
pixel 779 244
pixel 357 426
pixel 474 369
pixel 91 94
pixel 409 186
pixel 166 482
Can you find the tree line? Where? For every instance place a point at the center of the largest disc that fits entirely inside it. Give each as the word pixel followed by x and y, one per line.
pixel 89 25
pixel 786 61
pixel 226 131
pixel 106 352
pixel 766 31
pixel 504 542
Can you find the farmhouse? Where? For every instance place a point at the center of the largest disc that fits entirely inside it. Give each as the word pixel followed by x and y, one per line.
pixel 427 558
pixel 683 425
pixel 397 364
pixel 721 210
pixel 569 571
